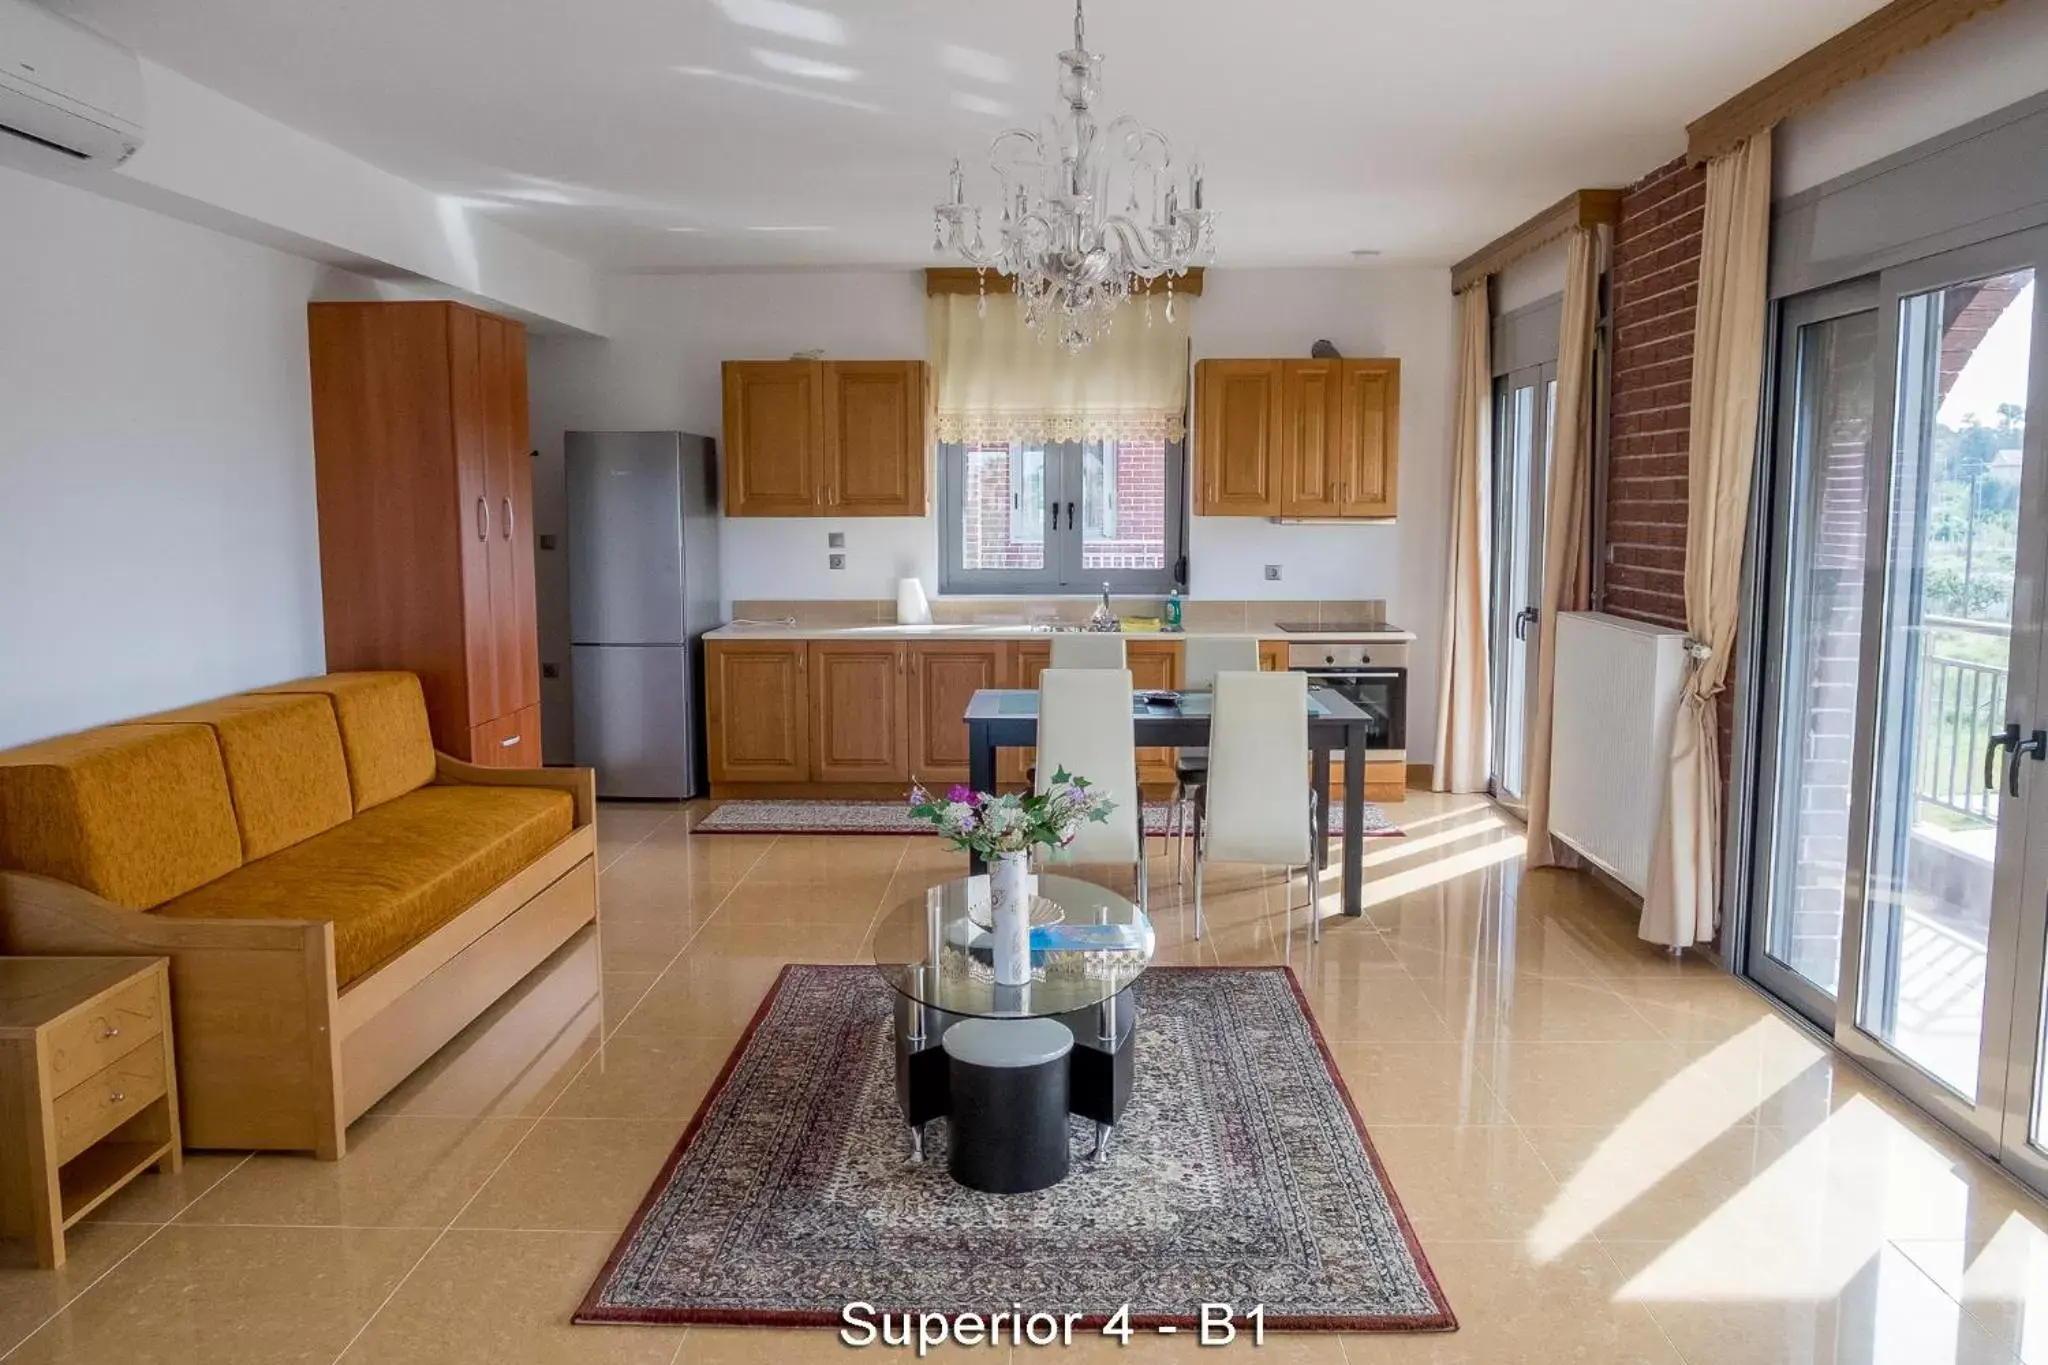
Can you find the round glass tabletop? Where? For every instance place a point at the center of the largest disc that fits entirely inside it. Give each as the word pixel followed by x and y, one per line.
pixel 1087 944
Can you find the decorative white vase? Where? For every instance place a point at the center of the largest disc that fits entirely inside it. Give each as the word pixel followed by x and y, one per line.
pixel 1010 917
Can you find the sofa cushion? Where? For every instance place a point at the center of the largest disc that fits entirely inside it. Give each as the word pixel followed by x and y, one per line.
pixel 383 719
pixel 285 769
pixel 396 873
pixel 135 814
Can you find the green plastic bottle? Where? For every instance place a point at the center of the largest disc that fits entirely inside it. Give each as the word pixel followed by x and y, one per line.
pixel 1173 609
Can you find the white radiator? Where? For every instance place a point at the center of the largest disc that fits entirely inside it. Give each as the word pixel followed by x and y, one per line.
pixel 1617 696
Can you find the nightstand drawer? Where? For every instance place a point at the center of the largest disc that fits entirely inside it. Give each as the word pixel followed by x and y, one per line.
pixel 81 1046
pixel 104 1101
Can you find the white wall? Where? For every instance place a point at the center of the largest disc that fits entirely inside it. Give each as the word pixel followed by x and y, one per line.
pixel 158 541
pixel 657 367
pixel 1990 62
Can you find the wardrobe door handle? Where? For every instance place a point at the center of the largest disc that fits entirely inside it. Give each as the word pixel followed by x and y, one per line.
pixel 511 743
pixel 507 504
pixel 483 518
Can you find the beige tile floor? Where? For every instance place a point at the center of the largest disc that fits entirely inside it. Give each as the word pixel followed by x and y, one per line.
pixel 1610 1156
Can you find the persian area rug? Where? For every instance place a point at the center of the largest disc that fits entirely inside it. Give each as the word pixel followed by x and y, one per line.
pixel 893 817
pixel 1241 1174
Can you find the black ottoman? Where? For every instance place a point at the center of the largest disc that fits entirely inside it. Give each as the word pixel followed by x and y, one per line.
pixel 1008 1129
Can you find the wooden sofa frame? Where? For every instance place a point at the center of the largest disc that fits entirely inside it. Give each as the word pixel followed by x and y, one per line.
pixel 271 1055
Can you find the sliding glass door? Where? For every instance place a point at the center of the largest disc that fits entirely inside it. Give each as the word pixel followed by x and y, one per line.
pixel 1903 794
pixel 1525 413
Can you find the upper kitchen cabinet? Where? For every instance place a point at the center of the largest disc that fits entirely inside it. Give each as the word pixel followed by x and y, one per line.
pixel 423 480
pixel 811 438
pixel 1237 438
pixel 1297 438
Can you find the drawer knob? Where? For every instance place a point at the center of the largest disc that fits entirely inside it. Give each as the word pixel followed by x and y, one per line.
pixel 113 1031
pixel 117 1097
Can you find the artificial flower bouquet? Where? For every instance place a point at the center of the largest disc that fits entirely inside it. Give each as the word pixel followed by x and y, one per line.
pixel 995 826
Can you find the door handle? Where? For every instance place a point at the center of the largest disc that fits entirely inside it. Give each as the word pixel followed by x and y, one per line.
pixel 2034 746
pixel 511 743
pixel 1525 618
pixel 483 519
pixel 2001 739
pixel 1070 517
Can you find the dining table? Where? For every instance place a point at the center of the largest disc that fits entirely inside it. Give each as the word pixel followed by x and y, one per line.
pixel 1007 718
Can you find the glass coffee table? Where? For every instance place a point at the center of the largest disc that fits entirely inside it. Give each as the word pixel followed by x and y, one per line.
pixel 1089 945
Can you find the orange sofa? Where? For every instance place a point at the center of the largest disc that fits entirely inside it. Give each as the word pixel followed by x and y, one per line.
pixel 337 900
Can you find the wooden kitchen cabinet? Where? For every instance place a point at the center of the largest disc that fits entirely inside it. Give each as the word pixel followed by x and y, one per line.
pixel 1297 438
pixel 774 438
pixel 757 711
pixel 1013 766
pixel 857 691
pixel 1369 438
pixel 1273 656
pixel 423 480
pixel 817 438
pixel 1154 664
pixel 943 679
pixel 1237 438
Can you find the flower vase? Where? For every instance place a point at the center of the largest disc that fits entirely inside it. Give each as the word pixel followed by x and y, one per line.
pixel 1010 918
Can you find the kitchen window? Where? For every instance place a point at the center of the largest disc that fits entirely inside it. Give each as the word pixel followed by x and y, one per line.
pixel 1061 516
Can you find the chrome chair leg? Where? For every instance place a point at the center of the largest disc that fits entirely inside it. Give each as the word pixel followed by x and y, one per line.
pixel 1198 883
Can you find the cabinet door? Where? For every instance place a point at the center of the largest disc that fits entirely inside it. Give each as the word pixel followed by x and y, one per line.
pixel 1237 428
pixel 508 478
pixel 774 438
pixel 857 729
pixel 1273 656
pixel 757 714
pixel 1309 421
pixel 1013 766
pixel 875 446
pixel 477 521
pixel 943 679
pixel 1155 664
pixel 1369 437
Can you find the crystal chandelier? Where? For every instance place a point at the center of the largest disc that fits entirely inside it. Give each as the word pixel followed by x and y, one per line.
pixel 1090 214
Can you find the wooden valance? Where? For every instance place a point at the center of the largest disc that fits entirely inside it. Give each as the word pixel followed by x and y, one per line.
pixel 1863 49
pixel 963 281
pixel 1580 208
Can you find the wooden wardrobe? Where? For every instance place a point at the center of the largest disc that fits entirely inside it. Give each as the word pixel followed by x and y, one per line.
pixel 426 510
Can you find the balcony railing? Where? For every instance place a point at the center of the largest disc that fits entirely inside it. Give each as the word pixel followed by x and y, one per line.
pixel 1962 704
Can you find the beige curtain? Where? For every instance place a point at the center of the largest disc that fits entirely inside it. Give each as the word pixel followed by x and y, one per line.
pixel 1727 381
pixel 1567 538
pixel 1464 699
pixel 997 381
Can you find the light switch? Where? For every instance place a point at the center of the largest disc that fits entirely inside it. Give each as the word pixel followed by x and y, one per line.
pixel 1272 573
pixel 835 540
pixel 835 561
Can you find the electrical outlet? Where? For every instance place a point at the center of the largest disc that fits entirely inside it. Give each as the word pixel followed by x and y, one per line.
pixel 547 541
pixel 835 561
pixel 835 540
pixel 1272 573
pixel 551 670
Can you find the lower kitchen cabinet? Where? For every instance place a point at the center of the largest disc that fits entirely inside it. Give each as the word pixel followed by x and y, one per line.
pixel 943 679
pixel 858 732
pixel 757 712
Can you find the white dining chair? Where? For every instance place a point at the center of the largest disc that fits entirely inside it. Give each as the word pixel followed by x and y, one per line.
pixel 1202 658
pixel 1085 726
pixel 1257 808
pixel 1088 649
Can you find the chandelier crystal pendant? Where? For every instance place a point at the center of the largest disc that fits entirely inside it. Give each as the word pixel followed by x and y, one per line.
pixel 1090 213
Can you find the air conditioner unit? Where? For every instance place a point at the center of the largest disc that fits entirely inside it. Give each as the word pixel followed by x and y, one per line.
pixel 65 89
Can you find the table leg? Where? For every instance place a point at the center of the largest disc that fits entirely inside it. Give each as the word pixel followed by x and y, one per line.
pixel 1319 790
pixel 981 776
pixel 1354 821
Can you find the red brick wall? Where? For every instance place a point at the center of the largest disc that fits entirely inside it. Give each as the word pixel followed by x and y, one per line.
pixel 1655 280
pixel 1140 540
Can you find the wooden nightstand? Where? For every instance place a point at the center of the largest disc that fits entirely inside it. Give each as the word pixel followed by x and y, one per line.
pixel 88 1088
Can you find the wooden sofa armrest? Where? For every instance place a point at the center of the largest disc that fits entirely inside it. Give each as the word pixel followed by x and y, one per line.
pixel 252 1008
pixel 580 783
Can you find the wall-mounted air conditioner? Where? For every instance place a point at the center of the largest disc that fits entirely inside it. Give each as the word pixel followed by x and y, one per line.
pixel 66 91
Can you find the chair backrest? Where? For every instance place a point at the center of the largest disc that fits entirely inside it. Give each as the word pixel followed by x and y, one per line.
pixel 1085 726
pixel 1258 790
pixel 1088 649
pixel 1204 656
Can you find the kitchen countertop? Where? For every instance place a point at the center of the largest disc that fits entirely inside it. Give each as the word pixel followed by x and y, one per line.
pixel 1013 631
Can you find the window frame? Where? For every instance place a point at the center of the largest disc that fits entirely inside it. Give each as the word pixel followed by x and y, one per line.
pixel 1061 573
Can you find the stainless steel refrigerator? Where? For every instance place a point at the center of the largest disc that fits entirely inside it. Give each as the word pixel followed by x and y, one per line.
pixel 643 589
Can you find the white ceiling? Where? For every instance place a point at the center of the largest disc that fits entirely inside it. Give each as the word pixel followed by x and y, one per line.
pixel 818 132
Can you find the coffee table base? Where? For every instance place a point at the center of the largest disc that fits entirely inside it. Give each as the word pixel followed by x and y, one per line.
pixel 1100 1077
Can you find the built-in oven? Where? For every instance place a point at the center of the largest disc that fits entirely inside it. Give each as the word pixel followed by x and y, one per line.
pixel 1374 678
